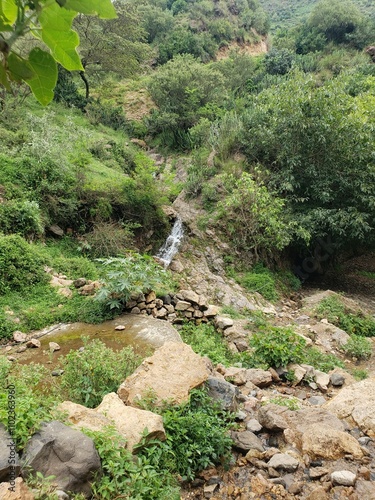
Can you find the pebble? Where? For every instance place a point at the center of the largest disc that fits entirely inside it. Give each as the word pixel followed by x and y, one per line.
pixel 343 478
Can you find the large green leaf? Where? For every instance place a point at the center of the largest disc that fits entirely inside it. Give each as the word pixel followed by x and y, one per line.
pixel 101 8
pixel 57 34
pixel 45 75
pixel 9 10
pixel 19 68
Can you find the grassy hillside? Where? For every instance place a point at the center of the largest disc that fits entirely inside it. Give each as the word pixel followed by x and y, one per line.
pixel 288 13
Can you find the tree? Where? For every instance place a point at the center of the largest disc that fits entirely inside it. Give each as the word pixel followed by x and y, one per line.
pixel 317 142
pixel 117 46
pixel 50 22
pixel 335 19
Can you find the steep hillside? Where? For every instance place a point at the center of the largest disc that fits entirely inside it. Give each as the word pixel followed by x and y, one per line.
pixel 288 13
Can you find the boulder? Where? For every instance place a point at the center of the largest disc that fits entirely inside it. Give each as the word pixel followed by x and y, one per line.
pixel 189 296
pixel 260 378
pixel 16 491
pixel 246 440
pixel 69 455
pixel 8 453
pixel 343 478
pixel 83 418
pixel 284 462
pixel 328 443
pixel 170 373
pixel 132 423
pixel 223 392
pixel 223 323
pixel 356 404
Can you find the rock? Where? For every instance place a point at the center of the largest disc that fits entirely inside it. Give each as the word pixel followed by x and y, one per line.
pixel 246 440
pixel 356 404
pixel 223 323
pixel 69 455
pixel 79 283
pixel 57 373
pixel 136 310
pixel 89 289
pixel 176 266
pixel 33 343
pixel 235 375
pixel 318 472
pixel 209 490
pixel 120 328
pixel 322 380
pixel 83 418
pixel 65 292
pixel 182 305
pixel 318 493
pixel 299 373
pixel 19 336
pixel 283 461
pixel 260 378
pixel 53 346
pixel 223 392
pixel 329 443
pixel 132 423
pixel 317 400
pixel 337 379
pixel 55 230
pixel 211 311
pixel 21 348
pixel 271 417
pixel 150 297
pixel 139 142
pixel 253 425
pixel 190 296
pixel 170 373
pixel 343 478
pixel 8 454
pixel 16 491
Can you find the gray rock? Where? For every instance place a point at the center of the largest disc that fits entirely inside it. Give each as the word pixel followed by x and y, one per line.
pixel 271 417
pixel 80 282
pixel 283 461
pixel 260 378
pixel 223 392
pixel 253 425
pixel 337 380
pixel 317 400
pixel 69 455
pixel 8 453
pixel 246 440
pixel 223 323
pixel 343 478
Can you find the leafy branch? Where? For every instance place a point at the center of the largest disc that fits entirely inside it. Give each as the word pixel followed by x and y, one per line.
pixel 50 22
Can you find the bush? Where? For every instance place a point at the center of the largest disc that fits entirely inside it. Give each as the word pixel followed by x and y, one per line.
pixel 275 347
pixel 33 398
pixel 261 282
pixel 108 239
pixel 75 267
pixel 21 217
pixel 320 360
pixel 335 311
pixel 96 371
pixel 197 437
pixel 358 347
pixel 124 277
pixel 20 264
pixel 128 476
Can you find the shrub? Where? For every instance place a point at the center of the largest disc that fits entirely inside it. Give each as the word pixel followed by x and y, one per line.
pixel 124 277
pixel 21 217
pixel 335 311
pixel 33 399
pixel 108 239
pixel 127 476
pixel 262 282
pixel 96 371
pixel 20 265
pixel 275 347
pixel 290 403
pixel 75 267
pixel 320 360
pixel 197 437
pixel 358 347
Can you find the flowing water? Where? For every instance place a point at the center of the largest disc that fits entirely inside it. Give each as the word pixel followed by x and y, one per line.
pixel 172 243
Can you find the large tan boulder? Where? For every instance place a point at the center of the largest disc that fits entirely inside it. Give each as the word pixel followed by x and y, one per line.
pixel 83 418
pixel 356 404
pixel 169 374
pixel 131 422
pixel 18 491
pixel 329 443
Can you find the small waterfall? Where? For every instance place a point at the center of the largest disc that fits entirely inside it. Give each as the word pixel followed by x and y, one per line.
pixel 172 243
